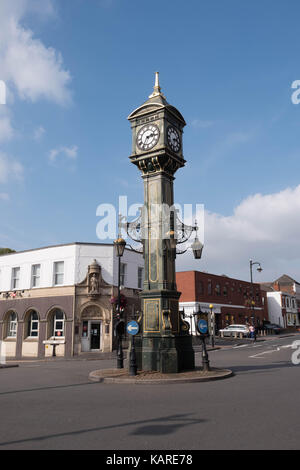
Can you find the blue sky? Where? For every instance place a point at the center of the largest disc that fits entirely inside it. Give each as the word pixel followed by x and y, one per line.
pixel 76 69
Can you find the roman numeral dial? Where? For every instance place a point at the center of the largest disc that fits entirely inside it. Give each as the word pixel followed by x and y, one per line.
pixel 173 139
pixel 147 137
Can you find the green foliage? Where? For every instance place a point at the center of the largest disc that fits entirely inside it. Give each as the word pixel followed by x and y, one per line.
pixel 5 251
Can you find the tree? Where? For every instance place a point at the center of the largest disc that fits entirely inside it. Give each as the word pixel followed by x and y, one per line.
pixel 5 251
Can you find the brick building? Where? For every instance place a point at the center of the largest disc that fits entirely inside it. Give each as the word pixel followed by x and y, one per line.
pixel 231 298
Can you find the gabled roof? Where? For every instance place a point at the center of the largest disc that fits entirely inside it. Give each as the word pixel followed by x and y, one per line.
pixel 286 280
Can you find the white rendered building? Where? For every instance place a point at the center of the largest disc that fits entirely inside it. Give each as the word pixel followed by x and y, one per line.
pixel 64 293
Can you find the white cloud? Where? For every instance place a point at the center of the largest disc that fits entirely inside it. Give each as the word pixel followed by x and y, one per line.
pixel 200 124
pixel 6 130
pixel 69 152
pixel 38 133
pixel 10 169
pixel 262 227
pixel 33 69
pixel 4 197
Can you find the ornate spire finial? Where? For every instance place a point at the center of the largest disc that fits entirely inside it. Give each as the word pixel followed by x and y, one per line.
pixel 156 89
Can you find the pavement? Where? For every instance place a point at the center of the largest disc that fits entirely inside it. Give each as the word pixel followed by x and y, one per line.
pixel 122 376
pixel 54 406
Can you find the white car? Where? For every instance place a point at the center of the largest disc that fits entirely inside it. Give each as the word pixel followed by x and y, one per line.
pixel 232 329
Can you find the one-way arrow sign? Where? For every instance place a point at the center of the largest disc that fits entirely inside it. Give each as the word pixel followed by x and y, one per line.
pixel 133 328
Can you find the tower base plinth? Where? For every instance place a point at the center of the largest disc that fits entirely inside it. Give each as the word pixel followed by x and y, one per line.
pixel 166 354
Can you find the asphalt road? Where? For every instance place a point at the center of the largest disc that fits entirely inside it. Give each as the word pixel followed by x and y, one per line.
pixel 52 405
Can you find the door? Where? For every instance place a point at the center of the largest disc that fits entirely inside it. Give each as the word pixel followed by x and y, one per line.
pixel 95 335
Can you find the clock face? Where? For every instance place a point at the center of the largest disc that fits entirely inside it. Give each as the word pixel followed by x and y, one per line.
pixel 147 137
pixel 173 139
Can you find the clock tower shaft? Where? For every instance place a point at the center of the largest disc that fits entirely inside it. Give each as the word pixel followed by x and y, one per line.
pixel 164 343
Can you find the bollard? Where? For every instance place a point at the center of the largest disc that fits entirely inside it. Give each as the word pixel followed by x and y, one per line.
pixel 241 335
pixel 222 334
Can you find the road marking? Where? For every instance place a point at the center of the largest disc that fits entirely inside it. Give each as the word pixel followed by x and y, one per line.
pixel 266 352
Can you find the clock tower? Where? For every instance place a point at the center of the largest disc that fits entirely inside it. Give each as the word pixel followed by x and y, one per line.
pixel 164 343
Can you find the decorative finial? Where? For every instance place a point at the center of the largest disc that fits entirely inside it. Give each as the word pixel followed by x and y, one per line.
pixel 156 89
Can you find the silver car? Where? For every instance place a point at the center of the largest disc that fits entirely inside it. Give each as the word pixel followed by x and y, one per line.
pixel 232 329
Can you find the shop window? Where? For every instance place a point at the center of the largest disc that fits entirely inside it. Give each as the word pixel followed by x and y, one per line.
pixel 32 324
pixel 11 325
pixel 57 324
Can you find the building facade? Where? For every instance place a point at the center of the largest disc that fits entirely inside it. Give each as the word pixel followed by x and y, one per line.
pixel 232 299
pixel 65 294
pixel 283 296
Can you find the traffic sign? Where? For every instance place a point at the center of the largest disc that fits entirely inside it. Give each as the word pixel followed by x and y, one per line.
pixel 133 328
pixel 202 327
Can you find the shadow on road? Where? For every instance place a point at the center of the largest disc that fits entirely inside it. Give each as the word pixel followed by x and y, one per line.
pixel 38 389
pixel 262 368
pixel 160 427
pixel 167 428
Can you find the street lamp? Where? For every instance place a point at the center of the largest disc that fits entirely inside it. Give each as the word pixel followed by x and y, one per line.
pixel 119 245
pixel 212 325
pixel 197 246
pixel 259 269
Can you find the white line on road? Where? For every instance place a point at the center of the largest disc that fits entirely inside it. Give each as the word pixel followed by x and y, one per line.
pixel 266 352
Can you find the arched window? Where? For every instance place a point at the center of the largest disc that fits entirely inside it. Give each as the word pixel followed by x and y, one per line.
pixel 57 324
pixel 11 325
pixel 32 324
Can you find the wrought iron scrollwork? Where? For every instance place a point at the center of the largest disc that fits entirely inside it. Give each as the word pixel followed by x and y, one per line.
pixel 135 230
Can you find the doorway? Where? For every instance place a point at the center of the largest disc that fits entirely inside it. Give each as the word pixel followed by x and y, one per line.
pixel 95 335
pixel 91 336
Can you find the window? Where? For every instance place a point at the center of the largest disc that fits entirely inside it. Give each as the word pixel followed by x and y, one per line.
pixel 123 274
pixel 140 277
pixel 200 288
pixel 225 290
pixel 58 273
pixel 15 278
pixel 33 325
pixel 58 323
pixel 218 289
pixel 12 325
pixel 209 287
pixel 35 275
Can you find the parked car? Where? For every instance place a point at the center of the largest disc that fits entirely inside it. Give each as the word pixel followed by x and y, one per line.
pixel 232 329
pixel 273 327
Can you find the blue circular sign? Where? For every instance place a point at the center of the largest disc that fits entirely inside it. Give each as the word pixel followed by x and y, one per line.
pixel 133 328
pixel 202 326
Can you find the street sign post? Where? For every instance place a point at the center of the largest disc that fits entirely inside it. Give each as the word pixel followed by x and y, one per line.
pixel 203 330
pixel 133 329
